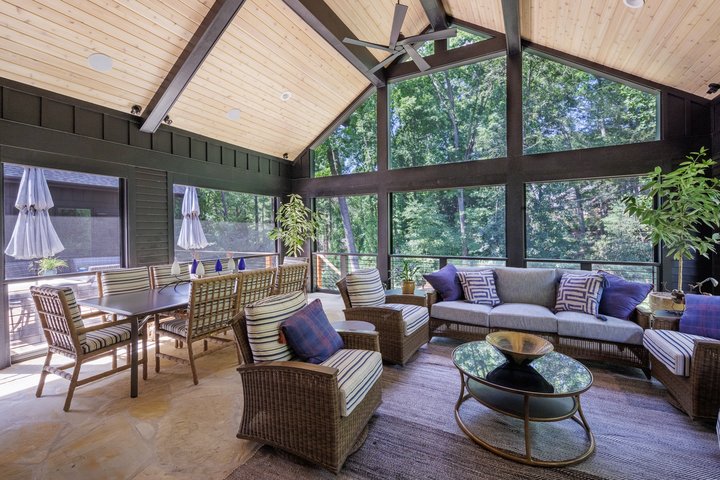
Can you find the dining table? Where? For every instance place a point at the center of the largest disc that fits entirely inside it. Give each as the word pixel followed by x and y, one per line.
pixel 137 306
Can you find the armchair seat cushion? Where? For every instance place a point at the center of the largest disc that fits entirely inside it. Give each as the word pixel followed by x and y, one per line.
pixel 105 337
pixel 358 370
pixel 462 312
pixel 523 316
pixel 414 316
pixel 673 349
pixel 583 325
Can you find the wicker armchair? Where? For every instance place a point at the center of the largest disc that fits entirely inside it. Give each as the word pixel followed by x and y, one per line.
pixel 66 334
pixel 295 406
pixel 395 345
pixel 291 277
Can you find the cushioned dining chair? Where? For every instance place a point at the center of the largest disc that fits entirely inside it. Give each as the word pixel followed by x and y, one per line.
pixel 212 307
pixel 291 278
pixel 160 275
pixel 401 320
pixel 317 412
pixel 66 334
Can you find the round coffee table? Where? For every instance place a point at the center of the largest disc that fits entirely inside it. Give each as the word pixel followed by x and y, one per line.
pixel 546 390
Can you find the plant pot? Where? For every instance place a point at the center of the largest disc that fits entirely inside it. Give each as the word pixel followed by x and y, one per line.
pixel 664 301
pixel 47 273
pixel 408 287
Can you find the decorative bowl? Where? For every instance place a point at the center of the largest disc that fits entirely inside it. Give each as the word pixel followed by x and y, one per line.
pixel 519 348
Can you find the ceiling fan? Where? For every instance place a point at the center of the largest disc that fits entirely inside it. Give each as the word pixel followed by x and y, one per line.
pixel 406 45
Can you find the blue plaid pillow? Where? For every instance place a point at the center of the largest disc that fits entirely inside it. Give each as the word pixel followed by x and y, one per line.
pixel 701 316
pixel 309 334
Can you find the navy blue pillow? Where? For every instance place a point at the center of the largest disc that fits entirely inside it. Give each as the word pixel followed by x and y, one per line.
pixel 309 334
pixel 446 282
pixel 621 296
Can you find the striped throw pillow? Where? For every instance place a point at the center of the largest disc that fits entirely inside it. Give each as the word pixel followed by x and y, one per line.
pixel 127 280
pixel 263 320
pixel 479 287
pixel 365 288
pixel 579 293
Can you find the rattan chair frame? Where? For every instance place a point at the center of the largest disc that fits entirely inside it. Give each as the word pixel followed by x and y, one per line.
pixel 395 346
pixel 295 406
pixel 291 278
pixel 62 337
pixel 254 285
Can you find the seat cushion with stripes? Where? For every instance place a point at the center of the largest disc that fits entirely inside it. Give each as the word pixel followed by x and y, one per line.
pixel 263 320
pixel 365 288
pixel 98 339
pixel 127 280
pixel 358 370
pixel 75 315
pixel 414 316
pixel 673 349
pixel 178 326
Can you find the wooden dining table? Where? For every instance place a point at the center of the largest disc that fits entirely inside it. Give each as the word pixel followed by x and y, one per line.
pixel 138 305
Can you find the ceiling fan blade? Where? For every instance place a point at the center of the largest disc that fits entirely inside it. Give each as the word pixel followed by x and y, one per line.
pixel 398 19
pixel 425 37
pixel 362 43
pixel 385 62
pixel 417 58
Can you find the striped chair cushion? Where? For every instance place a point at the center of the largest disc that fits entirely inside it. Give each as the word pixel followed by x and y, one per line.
pixel 178 326
pixel 263 320
pixel 127 280
pixel 479 287
pixel 579 293
pixel 358 370
pixel 673 349
pixel 414 316
pixel 107 336
pixel 365 288
pixel 75 315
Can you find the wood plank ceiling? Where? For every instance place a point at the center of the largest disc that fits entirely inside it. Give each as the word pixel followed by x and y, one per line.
pixel 268 50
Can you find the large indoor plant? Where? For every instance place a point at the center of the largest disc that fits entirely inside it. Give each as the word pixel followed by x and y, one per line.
pixel 295 225
pixel 687 217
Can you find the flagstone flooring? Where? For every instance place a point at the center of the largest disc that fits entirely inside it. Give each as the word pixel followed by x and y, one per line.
pixel 173 429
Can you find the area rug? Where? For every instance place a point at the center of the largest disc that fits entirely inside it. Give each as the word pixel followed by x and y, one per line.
pixel 414 434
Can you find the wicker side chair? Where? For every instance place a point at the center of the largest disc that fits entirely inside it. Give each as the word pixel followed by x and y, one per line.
pixel 212 308
pixel 395 345
pixel 254 285
pixel 67 335
pixel 291 278
pixel 296 406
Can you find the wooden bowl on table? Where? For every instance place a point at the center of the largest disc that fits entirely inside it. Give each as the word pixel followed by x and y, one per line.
pixel 518 347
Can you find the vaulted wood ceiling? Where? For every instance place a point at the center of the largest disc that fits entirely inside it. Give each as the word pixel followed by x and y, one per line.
pixel 268 49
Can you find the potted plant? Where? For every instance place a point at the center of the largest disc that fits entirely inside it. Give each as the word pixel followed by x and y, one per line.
pixel 689 202
pixel 408 275
pixel 295 225
pixel 50 265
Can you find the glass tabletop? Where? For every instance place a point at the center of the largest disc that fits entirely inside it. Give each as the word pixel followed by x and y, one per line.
pixel 553 374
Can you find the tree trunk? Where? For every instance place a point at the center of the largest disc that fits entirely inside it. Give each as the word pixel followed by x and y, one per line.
pixel 580 214
pixel 344 214
pixel 461 214
pixel 224 205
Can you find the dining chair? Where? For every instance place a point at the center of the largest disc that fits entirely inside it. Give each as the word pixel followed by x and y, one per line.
pixel 67 335
pixel 291 277
pixel 254 285
pixel 160 275
pixel 212 306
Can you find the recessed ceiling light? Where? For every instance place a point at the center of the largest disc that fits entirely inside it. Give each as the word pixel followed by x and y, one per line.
pixel 100 62
pixel 285 96
pixel 634 3
pixel 233 114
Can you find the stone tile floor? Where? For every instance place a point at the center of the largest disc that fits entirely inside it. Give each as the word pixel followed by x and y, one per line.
pixel 173 429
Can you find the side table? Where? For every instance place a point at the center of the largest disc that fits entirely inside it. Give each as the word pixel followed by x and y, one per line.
pixel 353 326
pixel 664 320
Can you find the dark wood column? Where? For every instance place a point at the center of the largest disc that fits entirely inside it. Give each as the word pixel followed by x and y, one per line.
pixel 383 159
pixel 515 187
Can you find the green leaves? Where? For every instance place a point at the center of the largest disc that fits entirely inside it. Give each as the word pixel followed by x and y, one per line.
pixel 295 224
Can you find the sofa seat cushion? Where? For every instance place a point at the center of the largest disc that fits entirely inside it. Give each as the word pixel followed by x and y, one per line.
pixel 583 325
pixel 462 312
pixel 414 316
pixel 526 285
pixel 673 349
pixel 358 370
pixel 523 316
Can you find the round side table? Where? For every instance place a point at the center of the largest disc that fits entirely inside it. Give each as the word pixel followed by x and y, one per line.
pixel 354 326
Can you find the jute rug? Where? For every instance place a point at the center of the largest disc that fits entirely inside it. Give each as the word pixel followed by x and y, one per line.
pixel 414 434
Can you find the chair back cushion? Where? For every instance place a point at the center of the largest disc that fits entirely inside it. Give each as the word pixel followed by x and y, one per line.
pixel 310 335
pixel 365 288
pixel 479 287
pixel 579 293
pixel 127 280
pixel 536 286
pixel 263 320
pixel 701 316
pixel 620 297
pixel 446 282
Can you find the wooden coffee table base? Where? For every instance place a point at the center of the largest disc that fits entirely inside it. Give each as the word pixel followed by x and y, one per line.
pixel 528 408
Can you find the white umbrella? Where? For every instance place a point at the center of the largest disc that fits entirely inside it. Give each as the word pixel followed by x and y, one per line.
pixel 191 232
pixel 34 235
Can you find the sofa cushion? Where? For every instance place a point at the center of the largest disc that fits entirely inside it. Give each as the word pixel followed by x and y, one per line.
pixel 523 316
pixel 526 285
pixel 365 288
pixel 582 325
pixel 479 287
pixel 310 335
pixel 358 370
pixel 701 316
pixel 264 318
pixel 620 297
pixel 579 293
pixel 414 316
pixel 672 349
pixel 446 283
pixel 462 312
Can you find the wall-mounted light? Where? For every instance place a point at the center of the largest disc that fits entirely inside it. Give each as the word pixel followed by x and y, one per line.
pixel 167 120
pixel 135 110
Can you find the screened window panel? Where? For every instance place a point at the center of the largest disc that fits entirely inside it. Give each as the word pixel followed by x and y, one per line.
pixel 348 224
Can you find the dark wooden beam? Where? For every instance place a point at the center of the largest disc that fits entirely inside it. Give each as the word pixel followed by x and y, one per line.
pixel 197 49
pixel 328 25
pixel 511 17
pixel 436 14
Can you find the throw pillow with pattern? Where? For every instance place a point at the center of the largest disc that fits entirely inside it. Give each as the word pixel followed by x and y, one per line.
pixel 579 293
pixel 310 335
pixel 479 287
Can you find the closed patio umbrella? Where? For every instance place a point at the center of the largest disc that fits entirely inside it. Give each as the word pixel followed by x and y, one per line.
pixel 191 236
pixel 34 235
